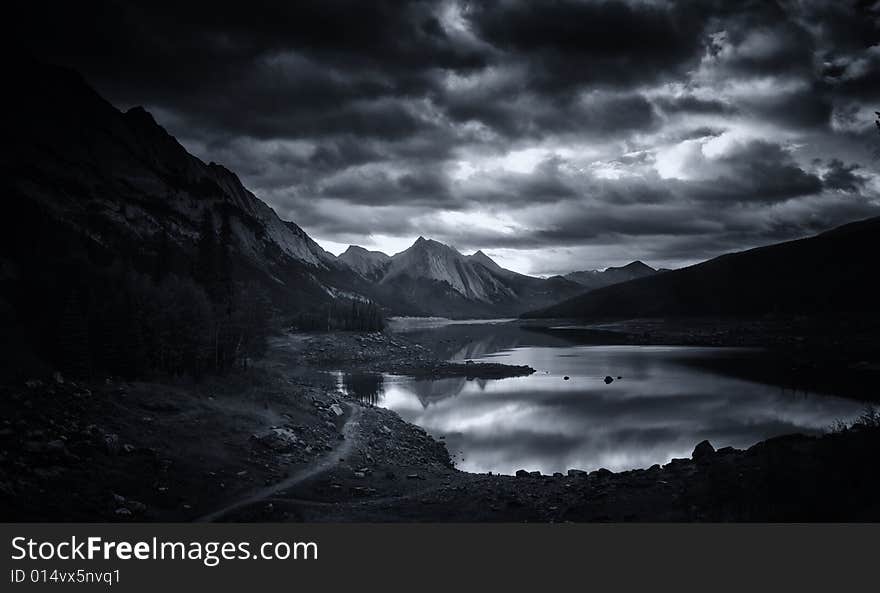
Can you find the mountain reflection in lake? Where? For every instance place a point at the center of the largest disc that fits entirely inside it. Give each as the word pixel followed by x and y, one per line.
pixel 665 402
pixel 364 386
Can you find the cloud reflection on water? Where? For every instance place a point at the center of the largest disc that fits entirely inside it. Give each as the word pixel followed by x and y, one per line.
pixel 659 409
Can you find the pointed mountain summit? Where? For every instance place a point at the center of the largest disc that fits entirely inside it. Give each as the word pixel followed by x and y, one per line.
pixel 432 260
pixel 636 267
pixel 370 265
pixel 483 259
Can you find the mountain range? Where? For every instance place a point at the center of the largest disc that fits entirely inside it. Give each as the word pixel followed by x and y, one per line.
pixel 86 181
pixel 445 282
pixel 431 278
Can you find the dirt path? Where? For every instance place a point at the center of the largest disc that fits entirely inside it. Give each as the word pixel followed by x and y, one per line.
pixel 324 463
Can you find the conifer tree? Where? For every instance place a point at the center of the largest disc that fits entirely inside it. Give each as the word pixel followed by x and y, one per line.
pixel 206 253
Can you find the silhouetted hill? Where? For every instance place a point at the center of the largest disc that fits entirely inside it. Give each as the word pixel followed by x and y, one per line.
pixel 834 272
pixel 593 279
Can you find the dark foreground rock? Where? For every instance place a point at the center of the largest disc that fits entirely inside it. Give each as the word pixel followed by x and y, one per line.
pixel 791 478
pixel 704 451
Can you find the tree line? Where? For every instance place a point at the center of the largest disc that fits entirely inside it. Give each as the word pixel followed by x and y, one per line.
pixel 93 308
pixel 177 321
pixel 341 315
pixel 130 309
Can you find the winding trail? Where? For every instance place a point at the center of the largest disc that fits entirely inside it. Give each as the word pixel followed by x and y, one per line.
pixel 320 465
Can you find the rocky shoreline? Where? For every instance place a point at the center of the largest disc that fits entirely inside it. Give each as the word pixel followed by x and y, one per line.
pixel 791 478
pixel 379 352
pixel 179 451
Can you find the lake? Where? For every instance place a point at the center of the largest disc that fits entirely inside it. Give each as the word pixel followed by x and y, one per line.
pixel 661 402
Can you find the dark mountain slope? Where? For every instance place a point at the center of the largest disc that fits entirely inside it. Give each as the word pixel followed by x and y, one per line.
pixel 121 253
pixel 593 279
pixel 834 272
pixel 120 181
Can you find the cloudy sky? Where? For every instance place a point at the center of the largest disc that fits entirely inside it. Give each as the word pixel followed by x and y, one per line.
pixel 554 135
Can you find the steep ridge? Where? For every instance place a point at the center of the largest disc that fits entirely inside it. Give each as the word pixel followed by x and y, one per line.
pixel 121 180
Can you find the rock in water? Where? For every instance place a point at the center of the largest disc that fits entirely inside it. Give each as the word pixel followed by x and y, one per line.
pixel 111 444
pixel 608 379
pixel 703 451
pixel 565 378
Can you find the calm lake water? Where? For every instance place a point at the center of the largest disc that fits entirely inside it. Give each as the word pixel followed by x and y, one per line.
pixel 666 400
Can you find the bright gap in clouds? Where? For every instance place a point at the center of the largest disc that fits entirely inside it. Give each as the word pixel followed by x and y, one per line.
pixel 387 244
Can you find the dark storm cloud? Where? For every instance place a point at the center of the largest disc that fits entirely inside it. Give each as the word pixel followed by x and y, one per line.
pixel 763 44
pixel 379 187
pixel 843 177
pixel 670 129
pixel 857 77
pixel 692 104
pixel 572 44
pixel 530 116
pixel 267 69
pixel 801 108
pixel 759 171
